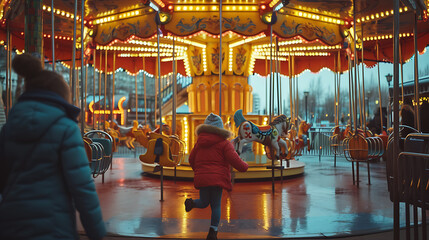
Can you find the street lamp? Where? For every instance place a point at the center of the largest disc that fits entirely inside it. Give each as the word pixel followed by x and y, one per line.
pixel 389 120
pixel 389 78
pixel 306 96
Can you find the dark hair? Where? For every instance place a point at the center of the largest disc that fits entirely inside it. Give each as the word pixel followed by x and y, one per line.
pixel 36 78
pixel 407 115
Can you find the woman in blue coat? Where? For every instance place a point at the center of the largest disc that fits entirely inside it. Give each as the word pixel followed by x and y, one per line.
pixel 44 173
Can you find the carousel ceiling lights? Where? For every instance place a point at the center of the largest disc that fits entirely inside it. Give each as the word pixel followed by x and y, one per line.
pixel 154 44
pixel 252 63
pixel 387 36
pixel 130 14
pixel 187 65
pixel 139 49
pixel 379 15
pixel 231 53
pixel 247 40
pixel 195 44
pixel 59 12
pixel 290 42
pixel 204 60
pixel 126 55
pixel 309 48
pixel 226 8
pixel 263 54
pixel 170 59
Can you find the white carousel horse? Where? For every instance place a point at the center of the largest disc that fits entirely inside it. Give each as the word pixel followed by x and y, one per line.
pixel 269 135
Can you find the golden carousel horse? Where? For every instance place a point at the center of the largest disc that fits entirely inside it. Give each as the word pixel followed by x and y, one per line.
pixel 163 150
pixel 303 139
pixel 123 134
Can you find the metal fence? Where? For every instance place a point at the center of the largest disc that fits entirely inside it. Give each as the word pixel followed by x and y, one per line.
pixel 320 142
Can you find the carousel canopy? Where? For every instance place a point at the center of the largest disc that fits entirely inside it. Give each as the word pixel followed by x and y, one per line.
pixel 300 34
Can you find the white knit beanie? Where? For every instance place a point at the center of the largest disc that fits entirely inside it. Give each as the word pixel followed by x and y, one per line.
pixel 214 120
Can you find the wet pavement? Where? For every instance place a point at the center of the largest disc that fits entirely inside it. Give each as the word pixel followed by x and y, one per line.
pixel 323 202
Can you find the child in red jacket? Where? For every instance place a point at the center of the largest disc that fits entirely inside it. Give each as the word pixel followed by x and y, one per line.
pixel 211 158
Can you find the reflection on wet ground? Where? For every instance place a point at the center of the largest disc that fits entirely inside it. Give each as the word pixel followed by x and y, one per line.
pixel 321 203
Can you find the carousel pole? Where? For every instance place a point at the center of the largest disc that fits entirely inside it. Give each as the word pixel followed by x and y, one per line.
pixel 296 98
pixel 402 71
pixel 99 89
pixel 339 81
pixel 351 111
pixel 293 106
pixel 220 58
pixel 396 60
pixel 173 108
pixel 278 99
pixel 144 89
pixel 53 34
pixel 355 90
pixel 359 89
pixel 73 82
pixel 335 96
pixel 355 68
pixel 278 80
pixel 266 85
pixel 136 94
pixel 7 68
pixel 379 88
pixel 93 89
pixel 271 81
pixel 363 90
pixel 174 91
pixel 160 106
pixel 82 70
pixel 290 86
pixel 416 85
pixel 105 88
pixel 112 105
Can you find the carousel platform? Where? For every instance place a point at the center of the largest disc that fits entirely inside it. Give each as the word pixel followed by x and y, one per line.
pixel 255 171
pixel 320 203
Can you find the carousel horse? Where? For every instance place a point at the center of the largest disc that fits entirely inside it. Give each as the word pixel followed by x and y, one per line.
pixel 269 135
pixel 126 133
pixel 165 129
pixel 113 133
pixel 140 133
pixel 303 139
pixel 162 149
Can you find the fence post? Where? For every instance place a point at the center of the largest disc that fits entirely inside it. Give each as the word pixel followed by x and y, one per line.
pixel 320 147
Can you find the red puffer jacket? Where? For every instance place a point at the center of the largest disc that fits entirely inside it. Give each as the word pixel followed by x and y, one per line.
pixel 212 156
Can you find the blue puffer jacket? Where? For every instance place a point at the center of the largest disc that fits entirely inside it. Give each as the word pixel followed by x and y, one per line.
pixel 49 173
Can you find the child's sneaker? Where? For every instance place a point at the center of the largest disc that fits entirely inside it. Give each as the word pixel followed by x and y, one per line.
pixel 189 204
pixel 212 234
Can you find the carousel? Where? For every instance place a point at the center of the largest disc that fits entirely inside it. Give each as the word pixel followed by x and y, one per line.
pixel 201 54
pixel 215 47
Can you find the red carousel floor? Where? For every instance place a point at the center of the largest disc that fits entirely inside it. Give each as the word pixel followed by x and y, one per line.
pixel 323 202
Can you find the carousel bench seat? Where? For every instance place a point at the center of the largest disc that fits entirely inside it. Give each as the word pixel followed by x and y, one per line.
pixel 101 146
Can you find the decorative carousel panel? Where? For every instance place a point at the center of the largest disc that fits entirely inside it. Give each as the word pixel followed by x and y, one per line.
pixel 196 59
pixel 213 58
pixel 338 8
pixel 143 26
pixel 289 26
pixel 188 23
pixel 239 61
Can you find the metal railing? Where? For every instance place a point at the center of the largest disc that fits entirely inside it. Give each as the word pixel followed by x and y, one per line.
pixel 320 142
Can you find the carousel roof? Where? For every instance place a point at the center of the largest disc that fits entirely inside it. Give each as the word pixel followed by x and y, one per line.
pixel 315 34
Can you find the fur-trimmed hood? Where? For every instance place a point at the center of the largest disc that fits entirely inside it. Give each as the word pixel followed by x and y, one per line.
pixel 206 128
